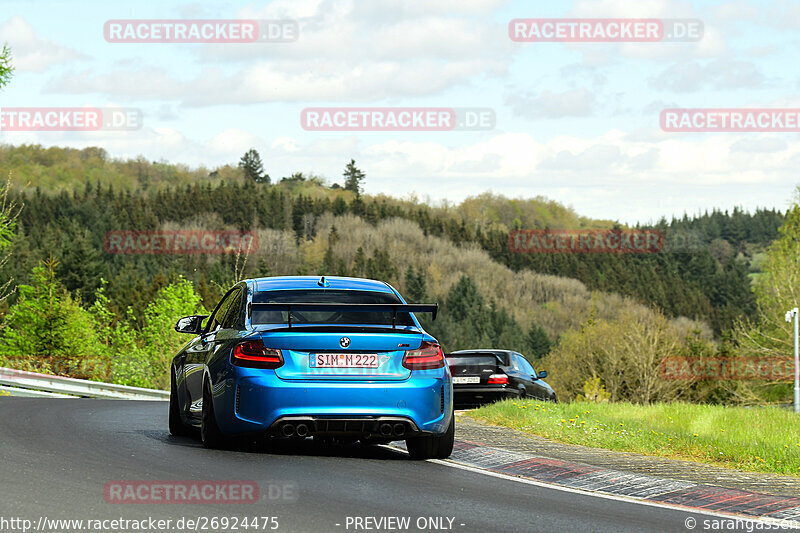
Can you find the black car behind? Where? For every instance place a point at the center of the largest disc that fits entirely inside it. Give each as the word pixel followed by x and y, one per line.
pixel 485 376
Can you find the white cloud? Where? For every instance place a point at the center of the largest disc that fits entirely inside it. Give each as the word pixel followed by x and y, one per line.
pixel 711 45
pixel 135 83
pixel 571 103
pixel 783 15
pixel 31 53
pixel 230 144
pixel 764 145
pixel 383 10
pixel 735 11
pixel 343 54
pixel 628 9
pixel 313 81
pixel 722 74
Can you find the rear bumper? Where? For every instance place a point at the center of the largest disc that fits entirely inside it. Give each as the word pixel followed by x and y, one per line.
pixel 257 401
pixel 469 395
pixel 385 427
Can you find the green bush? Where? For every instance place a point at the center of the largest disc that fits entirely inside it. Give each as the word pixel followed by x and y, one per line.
pixel 141 358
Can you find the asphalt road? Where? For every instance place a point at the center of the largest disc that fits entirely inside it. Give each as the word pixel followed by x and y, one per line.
pixel 56 457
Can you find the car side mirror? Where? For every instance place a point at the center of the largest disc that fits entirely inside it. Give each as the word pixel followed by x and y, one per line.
pixel 542 374
pixel 191 324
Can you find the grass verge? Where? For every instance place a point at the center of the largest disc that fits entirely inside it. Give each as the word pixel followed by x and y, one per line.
pixel 755 439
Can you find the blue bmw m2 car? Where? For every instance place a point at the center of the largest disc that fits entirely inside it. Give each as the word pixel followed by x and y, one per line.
pixel 297 357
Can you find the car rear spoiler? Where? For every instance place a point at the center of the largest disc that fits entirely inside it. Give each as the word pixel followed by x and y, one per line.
pixel 433 309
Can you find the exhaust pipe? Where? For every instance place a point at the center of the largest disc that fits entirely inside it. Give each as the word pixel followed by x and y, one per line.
pixel 302 430
pixel 399 429
pixel 386 430
pixel 287 430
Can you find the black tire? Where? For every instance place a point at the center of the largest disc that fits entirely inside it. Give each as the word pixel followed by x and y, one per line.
pixel 210 434
pixel 433 446
pixel 176 425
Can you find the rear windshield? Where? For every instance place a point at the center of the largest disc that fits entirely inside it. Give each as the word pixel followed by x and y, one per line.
pixel 299 316
pixel 495 358
pixel 473 360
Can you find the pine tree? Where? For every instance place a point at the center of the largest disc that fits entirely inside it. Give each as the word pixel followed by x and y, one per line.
pixel 359 263
pixel 380 266
pixel 416 286
pixel 538 342
pixel 353 178
pixel 9 212
pixel 466 320
pixel 80 267
pixel 339 206
pixel 47 329
pixel 253 168
pixel 465 300
pixel 329 263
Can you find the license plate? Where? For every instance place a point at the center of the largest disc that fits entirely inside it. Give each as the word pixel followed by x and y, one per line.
pixel 343 360
pixel 462 379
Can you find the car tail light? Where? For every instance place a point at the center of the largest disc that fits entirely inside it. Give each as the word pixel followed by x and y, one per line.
pixel 498 379
pixel 254 354
pixel 428 355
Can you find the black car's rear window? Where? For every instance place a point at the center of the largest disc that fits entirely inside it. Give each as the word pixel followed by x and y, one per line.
pixel 499 357
pixel 336 296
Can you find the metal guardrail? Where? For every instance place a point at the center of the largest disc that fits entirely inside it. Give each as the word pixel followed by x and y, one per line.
pixel 19 382
pixel 29 393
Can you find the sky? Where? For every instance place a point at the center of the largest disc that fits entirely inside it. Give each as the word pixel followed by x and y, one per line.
pixel 576 122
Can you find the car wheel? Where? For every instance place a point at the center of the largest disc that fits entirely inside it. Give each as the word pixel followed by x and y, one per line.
pixel 433 446
pixel 210 434
pixel 176 425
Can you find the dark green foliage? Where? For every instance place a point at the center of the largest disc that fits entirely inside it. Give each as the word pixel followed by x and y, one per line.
pixel 339 206
pixel 353 178
pixel 538 342
pixel 416 287
pixel 48 324
pixel 692 283
pixel 6 69
pixel 80 265
pixel 465 302
pixel 297 177
pixel 710 282
pixel 467 320
pixel 380 266
pixel 359 263
pixel 253 168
